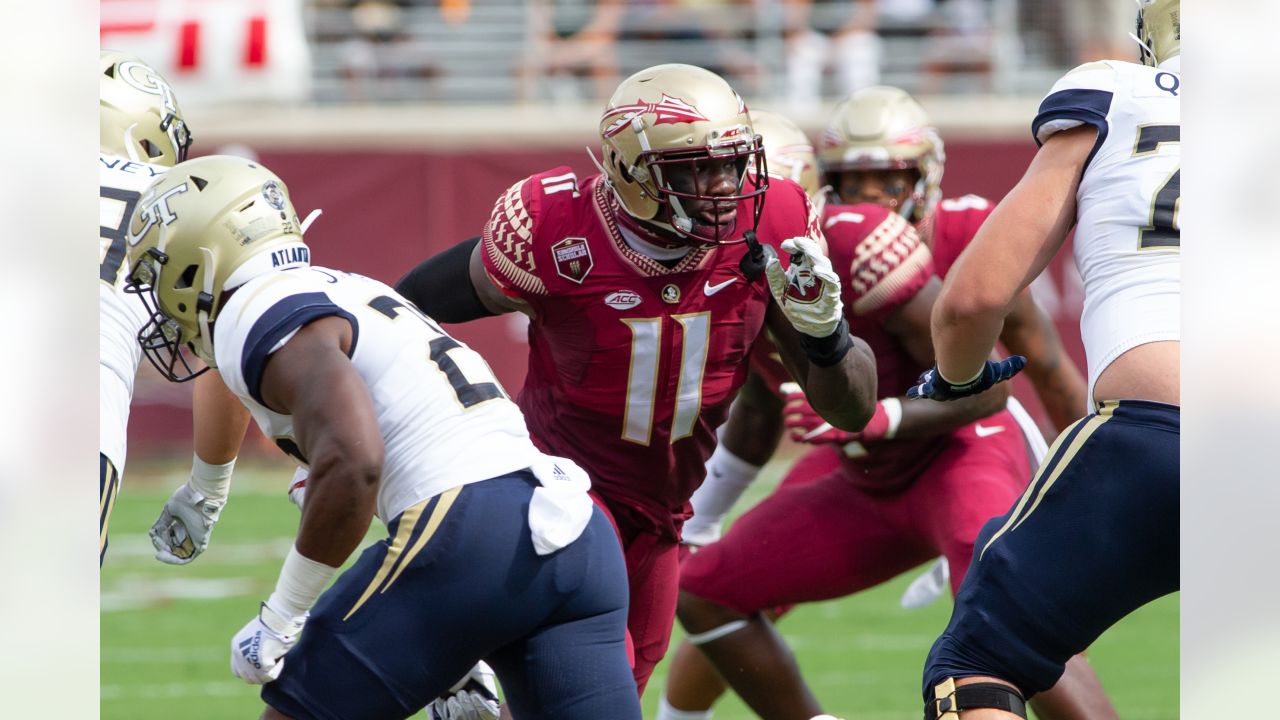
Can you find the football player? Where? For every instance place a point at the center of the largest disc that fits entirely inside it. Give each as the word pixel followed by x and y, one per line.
pixel 143 134
pixel 493 550
pixel 878 149
pixel 643 285
pixel 1109 165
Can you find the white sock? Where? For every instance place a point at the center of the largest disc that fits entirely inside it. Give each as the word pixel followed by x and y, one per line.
pixel 666 712
pixel 727 478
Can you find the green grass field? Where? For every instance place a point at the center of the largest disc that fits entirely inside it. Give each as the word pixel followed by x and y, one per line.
pixel 166 631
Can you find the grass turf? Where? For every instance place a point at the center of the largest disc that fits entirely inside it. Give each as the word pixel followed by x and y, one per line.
pixel 166 631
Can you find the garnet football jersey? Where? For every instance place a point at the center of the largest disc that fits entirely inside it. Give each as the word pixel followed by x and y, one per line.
pixel 948 230
pixel 632 364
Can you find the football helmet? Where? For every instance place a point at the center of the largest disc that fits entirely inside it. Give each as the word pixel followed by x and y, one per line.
pixel 661 132
pixel 138 114
pixel 206 227
pixel 1159 31
pixel 884 128
pixel 787 150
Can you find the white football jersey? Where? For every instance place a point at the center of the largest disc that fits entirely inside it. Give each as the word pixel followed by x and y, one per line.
pixel 444 417
pixel 1127 235
pixel 121 182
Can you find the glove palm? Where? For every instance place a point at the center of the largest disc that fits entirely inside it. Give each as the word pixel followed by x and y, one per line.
pixel 474 697
pixel 186 521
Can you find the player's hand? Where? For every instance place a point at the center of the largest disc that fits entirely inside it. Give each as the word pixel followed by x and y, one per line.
pixel 933 386
pixel 257 651
pixel 808 291
pixel 474 697
pixel 185 524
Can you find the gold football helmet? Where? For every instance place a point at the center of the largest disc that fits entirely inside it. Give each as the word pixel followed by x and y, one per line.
pixel 884 128
pixel 207 226
pixel 661 131
pixel 1159 30
pixel 138 113
pixel 787 150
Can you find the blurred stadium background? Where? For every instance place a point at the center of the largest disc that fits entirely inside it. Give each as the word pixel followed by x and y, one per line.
pixel 404 120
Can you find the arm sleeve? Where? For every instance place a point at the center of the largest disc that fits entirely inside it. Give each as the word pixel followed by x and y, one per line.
pixel 441 285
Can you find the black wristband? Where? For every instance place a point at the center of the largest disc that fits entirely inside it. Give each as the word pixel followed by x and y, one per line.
pixel 827 351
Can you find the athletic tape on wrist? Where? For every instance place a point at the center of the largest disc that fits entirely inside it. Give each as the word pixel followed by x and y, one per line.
pixel 301 582
pixel 211 481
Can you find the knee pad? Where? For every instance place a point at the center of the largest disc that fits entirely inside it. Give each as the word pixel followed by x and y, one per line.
pixel 949 700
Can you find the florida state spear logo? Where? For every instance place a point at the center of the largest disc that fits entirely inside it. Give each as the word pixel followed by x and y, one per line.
pixel 666 111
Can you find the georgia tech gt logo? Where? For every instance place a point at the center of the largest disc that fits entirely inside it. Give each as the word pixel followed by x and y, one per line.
pixel 141 77
pixel 154 210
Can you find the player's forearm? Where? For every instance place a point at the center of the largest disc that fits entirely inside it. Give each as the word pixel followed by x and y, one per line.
pixel 1029 331
pixel 844 394
pixel 218 420
pixel 341 497
pixel 930 419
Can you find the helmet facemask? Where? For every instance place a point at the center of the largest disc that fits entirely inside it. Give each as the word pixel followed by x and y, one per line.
pixel 165 342
pixel 688 185
pixel 678 146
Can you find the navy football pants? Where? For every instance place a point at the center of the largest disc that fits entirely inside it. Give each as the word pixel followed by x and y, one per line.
pixel 1094 537
pixel 458 580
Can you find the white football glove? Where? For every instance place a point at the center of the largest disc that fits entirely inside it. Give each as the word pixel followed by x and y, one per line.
pixel 185 524
pixel 474 697
pixel 808 291
pixel 298 489
pixel 257 651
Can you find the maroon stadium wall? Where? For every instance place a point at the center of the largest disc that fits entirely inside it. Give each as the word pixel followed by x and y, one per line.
pixel 384 212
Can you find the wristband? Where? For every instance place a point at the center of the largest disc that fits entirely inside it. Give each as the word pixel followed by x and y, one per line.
pixel 827 351
pixel 211 481
pixel 301 582
pixel 962 386
pixel 893 412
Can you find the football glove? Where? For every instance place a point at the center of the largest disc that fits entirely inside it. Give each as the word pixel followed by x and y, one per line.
pixel 257 651
pixel 933 386
pixel 298 491
pixel 474 697
pixel 808 291
pixel 185 524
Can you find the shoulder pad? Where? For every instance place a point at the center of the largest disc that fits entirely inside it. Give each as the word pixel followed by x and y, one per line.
pixel 885 260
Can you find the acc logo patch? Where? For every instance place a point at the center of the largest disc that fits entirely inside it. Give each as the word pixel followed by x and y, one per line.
pixel 573 258
pixel 622 299
pixel 670 294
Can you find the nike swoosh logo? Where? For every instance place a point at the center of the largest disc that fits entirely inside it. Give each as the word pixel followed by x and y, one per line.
pixel 987 431
pixel 708 289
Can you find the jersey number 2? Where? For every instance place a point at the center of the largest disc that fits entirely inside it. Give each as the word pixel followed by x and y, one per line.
pixel 469 393
pixel 1163 232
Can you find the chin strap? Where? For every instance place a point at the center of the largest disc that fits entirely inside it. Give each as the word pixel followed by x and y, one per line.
pixel 949 701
